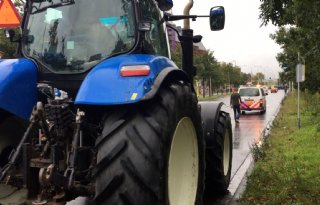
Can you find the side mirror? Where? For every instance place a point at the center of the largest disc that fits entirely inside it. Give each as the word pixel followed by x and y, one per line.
pixel 28 39
pixel 217 18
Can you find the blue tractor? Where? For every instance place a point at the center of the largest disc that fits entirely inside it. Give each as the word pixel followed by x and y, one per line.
pixel 95 112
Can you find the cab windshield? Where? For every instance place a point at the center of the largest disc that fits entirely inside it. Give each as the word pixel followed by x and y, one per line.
pixel 71 36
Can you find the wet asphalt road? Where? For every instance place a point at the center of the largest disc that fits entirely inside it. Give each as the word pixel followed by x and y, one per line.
pixel 246 133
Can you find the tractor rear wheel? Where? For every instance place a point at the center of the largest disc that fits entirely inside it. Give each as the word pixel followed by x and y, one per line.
pixel 219 156
pixel 152 152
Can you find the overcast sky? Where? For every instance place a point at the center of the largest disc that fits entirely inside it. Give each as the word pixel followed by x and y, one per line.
pixel 242 42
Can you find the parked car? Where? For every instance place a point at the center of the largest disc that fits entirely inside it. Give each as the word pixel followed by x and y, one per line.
pixel 253 98
pixel 274 89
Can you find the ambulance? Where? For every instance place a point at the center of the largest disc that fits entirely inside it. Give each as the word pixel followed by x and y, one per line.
pixel 253 99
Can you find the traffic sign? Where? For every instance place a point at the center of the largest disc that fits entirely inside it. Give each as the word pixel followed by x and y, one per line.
pixel 300 72
pixel 9 17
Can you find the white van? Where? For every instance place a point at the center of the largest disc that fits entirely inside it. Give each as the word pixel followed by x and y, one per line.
pixel 253 98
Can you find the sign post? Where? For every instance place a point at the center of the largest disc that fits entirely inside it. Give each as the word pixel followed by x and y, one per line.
pixel 10 18
pixel 300 77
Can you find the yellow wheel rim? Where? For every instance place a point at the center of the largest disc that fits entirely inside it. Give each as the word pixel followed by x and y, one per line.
pixel 183 168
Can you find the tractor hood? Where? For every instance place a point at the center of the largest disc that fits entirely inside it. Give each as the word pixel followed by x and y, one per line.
pixel 18 86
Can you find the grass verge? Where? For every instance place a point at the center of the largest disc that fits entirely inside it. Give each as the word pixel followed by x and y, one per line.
pixel 287 169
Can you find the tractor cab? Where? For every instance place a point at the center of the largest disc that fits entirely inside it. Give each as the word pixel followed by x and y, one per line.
pixel 67 38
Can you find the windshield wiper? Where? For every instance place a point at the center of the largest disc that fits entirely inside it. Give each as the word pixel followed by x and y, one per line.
pixel 62 3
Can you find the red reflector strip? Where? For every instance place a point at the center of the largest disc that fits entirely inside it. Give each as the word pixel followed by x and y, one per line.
pixel 135 70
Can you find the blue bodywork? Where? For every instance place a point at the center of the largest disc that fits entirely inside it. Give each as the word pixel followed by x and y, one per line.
pixel 102 86
pixel 105 86
pixel 18 86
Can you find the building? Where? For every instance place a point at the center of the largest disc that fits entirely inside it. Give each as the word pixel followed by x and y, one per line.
pixel 173 36
pixel 198 48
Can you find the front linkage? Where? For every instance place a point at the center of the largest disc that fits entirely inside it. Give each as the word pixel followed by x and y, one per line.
pixel 57 160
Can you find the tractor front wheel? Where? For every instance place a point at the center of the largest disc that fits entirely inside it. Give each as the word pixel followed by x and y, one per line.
pixel 152 152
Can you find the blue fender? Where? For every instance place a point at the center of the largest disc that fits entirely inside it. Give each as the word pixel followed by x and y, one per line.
pixel 18 86
pixel 105 86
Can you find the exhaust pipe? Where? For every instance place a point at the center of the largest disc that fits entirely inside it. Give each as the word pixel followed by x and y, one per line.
pixel 186 11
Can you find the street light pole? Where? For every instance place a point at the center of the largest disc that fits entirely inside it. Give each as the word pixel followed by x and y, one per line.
pixel 299 125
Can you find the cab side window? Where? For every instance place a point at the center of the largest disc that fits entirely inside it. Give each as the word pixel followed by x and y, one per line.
pixel 156 37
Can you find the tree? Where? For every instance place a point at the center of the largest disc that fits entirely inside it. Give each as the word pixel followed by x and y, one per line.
pixel 6 46
pixel 245 77
pixel 207 72
pixel 258 77
pixel 211 73
pixel 235 76
pixel 205 64
pixel 277 11
pixel 299 34
pixel 176 56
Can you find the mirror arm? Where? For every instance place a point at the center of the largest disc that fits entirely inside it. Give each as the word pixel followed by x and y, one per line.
pixel 180 17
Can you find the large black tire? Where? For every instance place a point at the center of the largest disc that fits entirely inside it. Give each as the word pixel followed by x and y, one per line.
pixel 219 156
pixel 135 146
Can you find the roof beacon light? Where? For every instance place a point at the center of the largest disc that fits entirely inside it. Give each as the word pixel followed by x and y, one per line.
pixel 134 70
